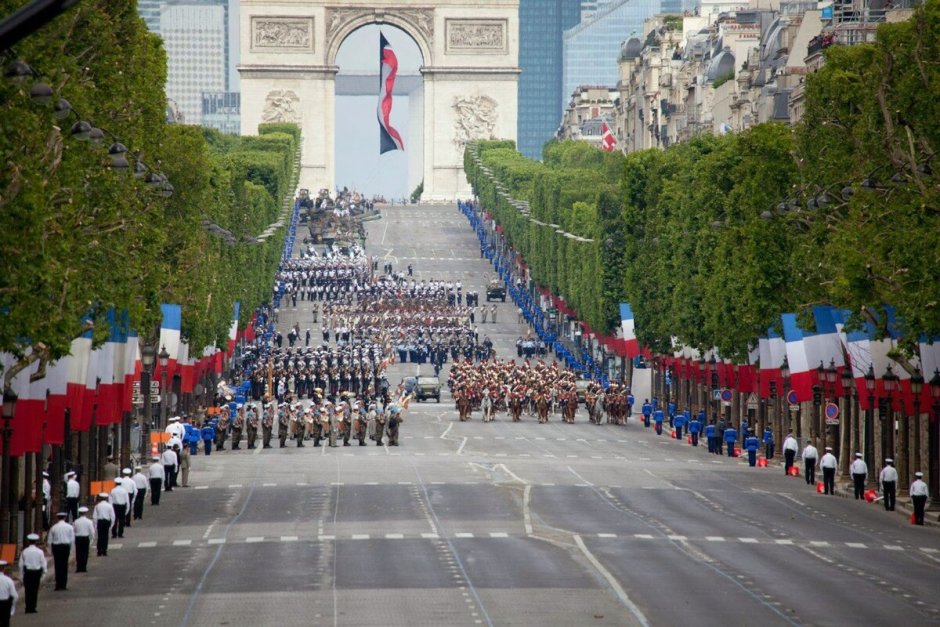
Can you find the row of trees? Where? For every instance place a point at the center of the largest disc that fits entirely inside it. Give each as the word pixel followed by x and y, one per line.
pixel 78 237
pixel 710 240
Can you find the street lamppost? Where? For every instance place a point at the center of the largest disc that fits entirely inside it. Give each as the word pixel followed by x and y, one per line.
pixel 146 364
pixel 713 371
pixel 832 438
pixel 700 386
pixel 933 441
pixel 917 386
pixel 849 419
pixel 785 375
pixel 164 358
pixel 6 522
pixel 890 382
pixel 816 429
pixel 870 424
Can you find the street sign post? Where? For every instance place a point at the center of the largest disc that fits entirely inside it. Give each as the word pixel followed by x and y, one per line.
pixel 832 414
pixel 752 402
pixel 138 399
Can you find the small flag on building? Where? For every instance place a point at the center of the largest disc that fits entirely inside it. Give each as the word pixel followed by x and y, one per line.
pixel 608 141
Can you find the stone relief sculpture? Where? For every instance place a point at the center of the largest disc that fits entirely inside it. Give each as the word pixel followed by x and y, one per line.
pixel 476 119
pixel 476 35
pixel 282 33
pixel 422 19
pixel 281 105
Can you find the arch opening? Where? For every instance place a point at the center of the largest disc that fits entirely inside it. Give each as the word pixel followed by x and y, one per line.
pixel 359 166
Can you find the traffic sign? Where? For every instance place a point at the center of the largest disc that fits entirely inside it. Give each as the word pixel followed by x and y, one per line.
pixel 726 395
pixel 138 399
pixel 792 397
pixel 832 414
pixel 752 402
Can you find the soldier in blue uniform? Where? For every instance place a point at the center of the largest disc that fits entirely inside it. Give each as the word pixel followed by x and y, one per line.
pixel 630 402
pixel 710 436
pixel 768 443
pixel 647 412
pixel 208 435
pixel 672 414
pixel 730 437
pixel 658 418
pixel 695 427
pixel 752 445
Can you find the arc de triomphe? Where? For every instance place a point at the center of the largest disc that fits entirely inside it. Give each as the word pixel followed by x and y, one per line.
pixel 470 51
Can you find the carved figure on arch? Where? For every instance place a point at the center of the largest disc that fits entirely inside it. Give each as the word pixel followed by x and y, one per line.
pixel 281 106
pixel 476 119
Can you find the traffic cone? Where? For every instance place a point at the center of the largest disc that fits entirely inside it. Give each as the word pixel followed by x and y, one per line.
pixel 673 435
pixel 871 495
pixel 737 452
pixel 913 518
pixel 819 487
pixel 762 463
pixel 794 471
pixel 688 439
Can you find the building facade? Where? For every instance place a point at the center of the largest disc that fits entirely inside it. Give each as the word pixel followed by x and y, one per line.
pixel 222 111
pixel 589 108
pixel 541 26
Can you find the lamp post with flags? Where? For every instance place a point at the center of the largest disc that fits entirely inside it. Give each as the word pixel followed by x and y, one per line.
pixel 164 358
pixel 147 352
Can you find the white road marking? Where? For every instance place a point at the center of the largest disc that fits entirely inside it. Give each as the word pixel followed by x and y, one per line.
pixel 324 538
pixel 748 540
pixel 235 485
pixel 146 545
pixel 289 538
pixel 893 547
pixel 614 584
pixel 463 535
pixel 462 444
pixel 677 538
pixel 783 541
pixel 856 545
pixel 499 534
pixel 269 485
pixel 360 536
pixel 201 487
pixel 394 536
pixel 182 542
pixel 526 514
pixel 430 536
pixel 818 543
pixel 643 536
pixel 254 539
pixel 607 535
pixel 216 540
pixel 714 538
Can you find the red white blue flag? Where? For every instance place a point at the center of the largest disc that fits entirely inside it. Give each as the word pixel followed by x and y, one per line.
pixel 389 139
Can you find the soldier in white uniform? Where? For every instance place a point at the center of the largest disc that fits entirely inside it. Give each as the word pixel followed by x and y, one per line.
pixel 859 472
pixel 84 536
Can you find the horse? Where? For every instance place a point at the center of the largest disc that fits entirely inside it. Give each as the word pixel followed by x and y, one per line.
pixel 515 408
pixel 489 408
pixel 541 407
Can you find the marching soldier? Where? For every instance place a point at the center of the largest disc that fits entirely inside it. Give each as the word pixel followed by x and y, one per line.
pixel 237 425
pixel 394 423
pixel 267 426
pixel 379 425
pixel 222 430
pixel 252 421
pixel 283 424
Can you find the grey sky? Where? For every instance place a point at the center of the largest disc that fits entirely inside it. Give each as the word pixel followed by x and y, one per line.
pixel 358 163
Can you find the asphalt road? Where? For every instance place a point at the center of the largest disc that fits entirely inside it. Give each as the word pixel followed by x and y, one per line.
pixel 500 524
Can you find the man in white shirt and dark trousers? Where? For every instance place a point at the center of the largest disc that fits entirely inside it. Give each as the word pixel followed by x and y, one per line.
pixel 170 462
pixel 157 475
pixel 918 492
pixel 859 472
pixel 142 482
pixel 33 566
pixel 131 488
pixel 61 538
pixel 8 595
pixel 810 455
pixel 790 449
pixel 829 463
pixel 105 518
pixel 84 534
pixel 72 494
pixel 120 499
pixel 889 483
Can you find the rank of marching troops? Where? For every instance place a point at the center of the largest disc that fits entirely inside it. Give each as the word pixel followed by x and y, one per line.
pixel 533 388
pixel 325 419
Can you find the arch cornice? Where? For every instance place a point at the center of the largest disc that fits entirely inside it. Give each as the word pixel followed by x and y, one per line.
pixel 418 22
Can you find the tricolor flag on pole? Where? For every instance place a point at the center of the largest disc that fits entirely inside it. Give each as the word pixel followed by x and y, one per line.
pixel 170 336
pixel 233 330
pixel 631 346
pixel 608 141
pixel 77 371
pixel 389 139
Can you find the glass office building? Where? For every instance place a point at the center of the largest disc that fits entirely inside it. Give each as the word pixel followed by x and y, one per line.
pixel 222 111
pixel 591 48
pixel 541 26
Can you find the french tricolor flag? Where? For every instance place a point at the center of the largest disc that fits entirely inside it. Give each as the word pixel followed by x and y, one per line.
pixel 28 413
pixel 233 331
pixel 771 351
pixel 77 372
pixel 90 395
pixel 187 369
pixel 858 348
pixel 170 336
pixel 628 328
pixel 108 393
pixel 802 376
pixel 131 369
pixel 824 346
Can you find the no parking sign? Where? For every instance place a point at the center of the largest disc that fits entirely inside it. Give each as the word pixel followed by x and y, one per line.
pixel 832 414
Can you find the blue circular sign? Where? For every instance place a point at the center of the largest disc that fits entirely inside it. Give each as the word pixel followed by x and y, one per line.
pixel 726 395
pixel 792 397
pixel 832 410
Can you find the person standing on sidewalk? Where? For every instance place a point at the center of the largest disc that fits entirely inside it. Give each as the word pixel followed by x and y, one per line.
pixel 170 462
pixel 131 486
pixel 142 482
pixel 84 534
pixel 810 455
pixel 889 483
pixel 768 442
pixel 829 463
pixel 918 493
pixel 859 472
pixel 120 500
pixel 33 566
pixel 105 518
pixel 72 494
pixel 695 427
pixel 8 595
pixel 751 445
pixel 730 437
pixel 790 449
pixel 157 474
pixel 710 436
pixel 184 467
pixel 61 538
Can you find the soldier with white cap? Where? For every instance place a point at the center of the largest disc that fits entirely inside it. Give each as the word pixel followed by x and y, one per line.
pixel 61 538
pixel 46 499
pixel 72 495
pixel 142 482
pixel 131 486
pixel 829 463
pixel 8 595
pixel 84 534
pixel 918 492
pixel 157 474
pixel 120 501
pixel 175 428
pixel 859 472
pixel 33 565
pixel 889 483
pixel 105 518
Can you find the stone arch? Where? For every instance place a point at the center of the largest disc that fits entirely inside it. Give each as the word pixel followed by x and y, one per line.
pixel 417 23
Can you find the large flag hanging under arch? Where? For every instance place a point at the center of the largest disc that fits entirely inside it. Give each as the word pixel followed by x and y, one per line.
pixel 389 139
